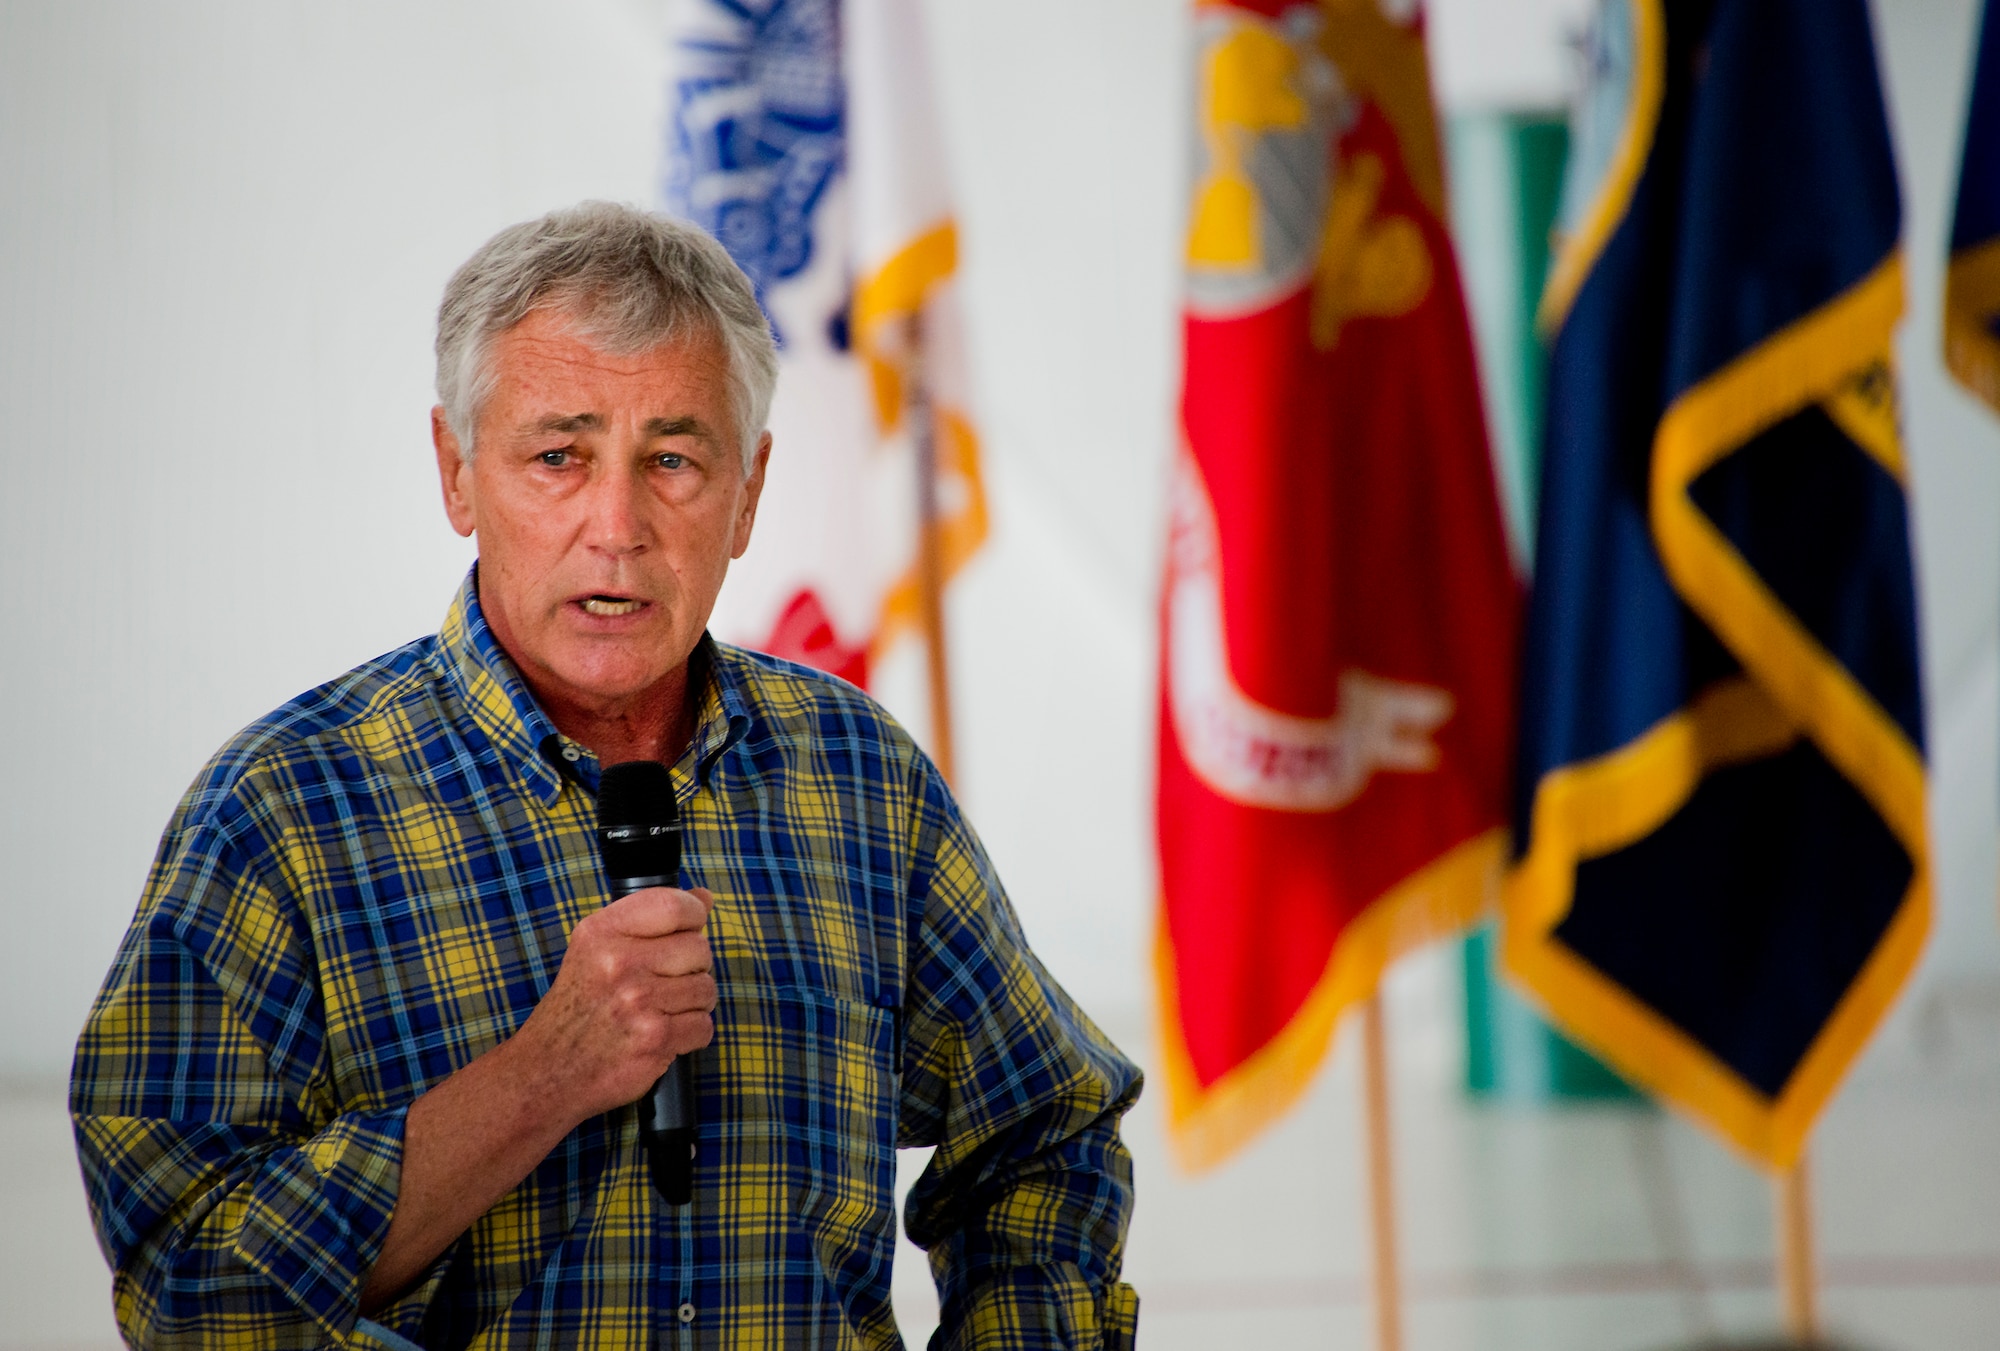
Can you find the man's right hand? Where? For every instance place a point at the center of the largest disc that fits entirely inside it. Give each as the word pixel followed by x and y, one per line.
pixel 635 990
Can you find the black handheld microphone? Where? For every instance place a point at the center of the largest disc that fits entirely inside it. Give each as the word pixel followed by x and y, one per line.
pixel 639 838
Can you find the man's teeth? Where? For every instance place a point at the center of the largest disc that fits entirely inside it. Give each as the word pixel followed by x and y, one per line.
pixel 600 605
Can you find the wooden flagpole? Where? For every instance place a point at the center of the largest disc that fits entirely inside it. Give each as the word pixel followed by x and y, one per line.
pixel 1798 1277
pixel 1381 1177
pixel 930 551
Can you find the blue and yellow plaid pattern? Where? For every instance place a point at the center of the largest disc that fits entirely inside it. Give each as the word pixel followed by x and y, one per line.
pixel 375 884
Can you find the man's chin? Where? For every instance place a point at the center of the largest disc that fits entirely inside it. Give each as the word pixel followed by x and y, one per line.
pixel 607 684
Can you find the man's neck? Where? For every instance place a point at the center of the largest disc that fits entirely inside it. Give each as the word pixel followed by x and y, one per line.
pixel 656 724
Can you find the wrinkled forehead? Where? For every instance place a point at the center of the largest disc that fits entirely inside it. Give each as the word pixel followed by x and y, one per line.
pixel 554 364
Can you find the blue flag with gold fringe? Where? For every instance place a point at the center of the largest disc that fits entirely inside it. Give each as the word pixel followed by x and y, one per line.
pixel 1972 277
pixel 1721 878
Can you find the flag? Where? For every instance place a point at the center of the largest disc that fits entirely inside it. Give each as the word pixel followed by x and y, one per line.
pixel 803 134
pixel 1339 614
pixel 1722 881
pixel 1972 277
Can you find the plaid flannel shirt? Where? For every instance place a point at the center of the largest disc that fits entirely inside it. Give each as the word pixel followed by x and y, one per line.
pixel 375 884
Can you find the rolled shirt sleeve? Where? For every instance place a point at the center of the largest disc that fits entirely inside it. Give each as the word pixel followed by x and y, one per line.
pixel 237 1205
pixel 1024 1206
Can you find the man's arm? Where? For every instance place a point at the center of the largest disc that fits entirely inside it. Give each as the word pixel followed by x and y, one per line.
pixel 1024 1206
pixel 238 1200
pixel 634 991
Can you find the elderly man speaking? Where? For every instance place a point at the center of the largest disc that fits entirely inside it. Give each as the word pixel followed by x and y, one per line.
pixel 363 1072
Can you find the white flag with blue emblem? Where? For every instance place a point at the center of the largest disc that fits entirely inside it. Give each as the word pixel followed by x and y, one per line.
pixel 825 180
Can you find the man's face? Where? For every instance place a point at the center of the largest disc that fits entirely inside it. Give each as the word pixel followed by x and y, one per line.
pixel 608 494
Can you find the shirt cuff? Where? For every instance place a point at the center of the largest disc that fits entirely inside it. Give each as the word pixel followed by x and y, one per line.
pixel 1040 1307
pixel 397 1323
pixel 318 1212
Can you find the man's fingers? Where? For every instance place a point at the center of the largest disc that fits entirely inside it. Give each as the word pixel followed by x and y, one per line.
pixel 672 1032
pixel 656 912
pixel 686 995
pixel 690 1032
pixel 678 954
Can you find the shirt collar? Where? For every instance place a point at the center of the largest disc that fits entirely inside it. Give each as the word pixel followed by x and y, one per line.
pixel 500 705
pixel 724 718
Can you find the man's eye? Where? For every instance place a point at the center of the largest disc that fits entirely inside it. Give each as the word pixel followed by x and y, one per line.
pixel 554 459
pixel 669 460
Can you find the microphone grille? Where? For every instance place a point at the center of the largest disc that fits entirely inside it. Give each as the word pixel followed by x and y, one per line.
pixel 635 793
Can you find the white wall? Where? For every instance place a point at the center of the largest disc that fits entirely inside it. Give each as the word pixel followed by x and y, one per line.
pixel 222 237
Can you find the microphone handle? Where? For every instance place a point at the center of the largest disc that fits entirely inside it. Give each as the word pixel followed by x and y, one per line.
pixel 666 1114
pixel 666 1125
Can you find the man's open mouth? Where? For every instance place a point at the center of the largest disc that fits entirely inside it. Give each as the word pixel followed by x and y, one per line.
pixel 607 607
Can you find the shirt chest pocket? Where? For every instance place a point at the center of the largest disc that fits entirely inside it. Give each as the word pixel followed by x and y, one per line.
pixel 798 1098
pixel 801 1080
pixel 806 1028
pixel 798 1124
pixel 805 923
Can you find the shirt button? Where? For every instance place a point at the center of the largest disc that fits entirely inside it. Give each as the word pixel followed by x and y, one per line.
pixel 572 754
pixel 686 1313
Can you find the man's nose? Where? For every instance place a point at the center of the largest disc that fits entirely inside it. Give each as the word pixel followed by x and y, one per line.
pixel 617 523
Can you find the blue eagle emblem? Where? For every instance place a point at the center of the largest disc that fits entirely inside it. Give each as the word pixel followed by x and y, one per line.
pixel 757 130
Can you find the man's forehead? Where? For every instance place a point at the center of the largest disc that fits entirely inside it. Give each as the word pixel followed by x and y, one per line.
pixel 549 377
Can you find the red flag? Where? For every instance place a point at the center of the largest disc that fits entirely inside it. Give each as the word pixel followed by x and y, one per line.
pixel 1340 612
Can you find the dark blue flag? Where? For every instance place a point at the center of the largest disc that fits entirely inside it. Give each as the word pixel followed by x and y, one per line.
pixel 1721 880
pixel 1972 279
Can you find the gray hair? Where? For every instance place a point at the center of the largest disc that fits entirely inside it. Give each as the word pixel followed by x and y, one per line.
pixel 628 280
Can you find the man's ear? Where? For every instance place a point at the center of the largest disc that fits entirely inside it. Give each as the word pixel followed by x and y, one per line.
pixel 753 488
pixel 454 474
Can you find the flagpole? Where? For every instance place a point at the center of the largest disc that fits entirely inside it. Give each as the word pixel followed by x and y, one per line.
pixel 1797 1273
pixel 930 552
pixel 1381 1177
